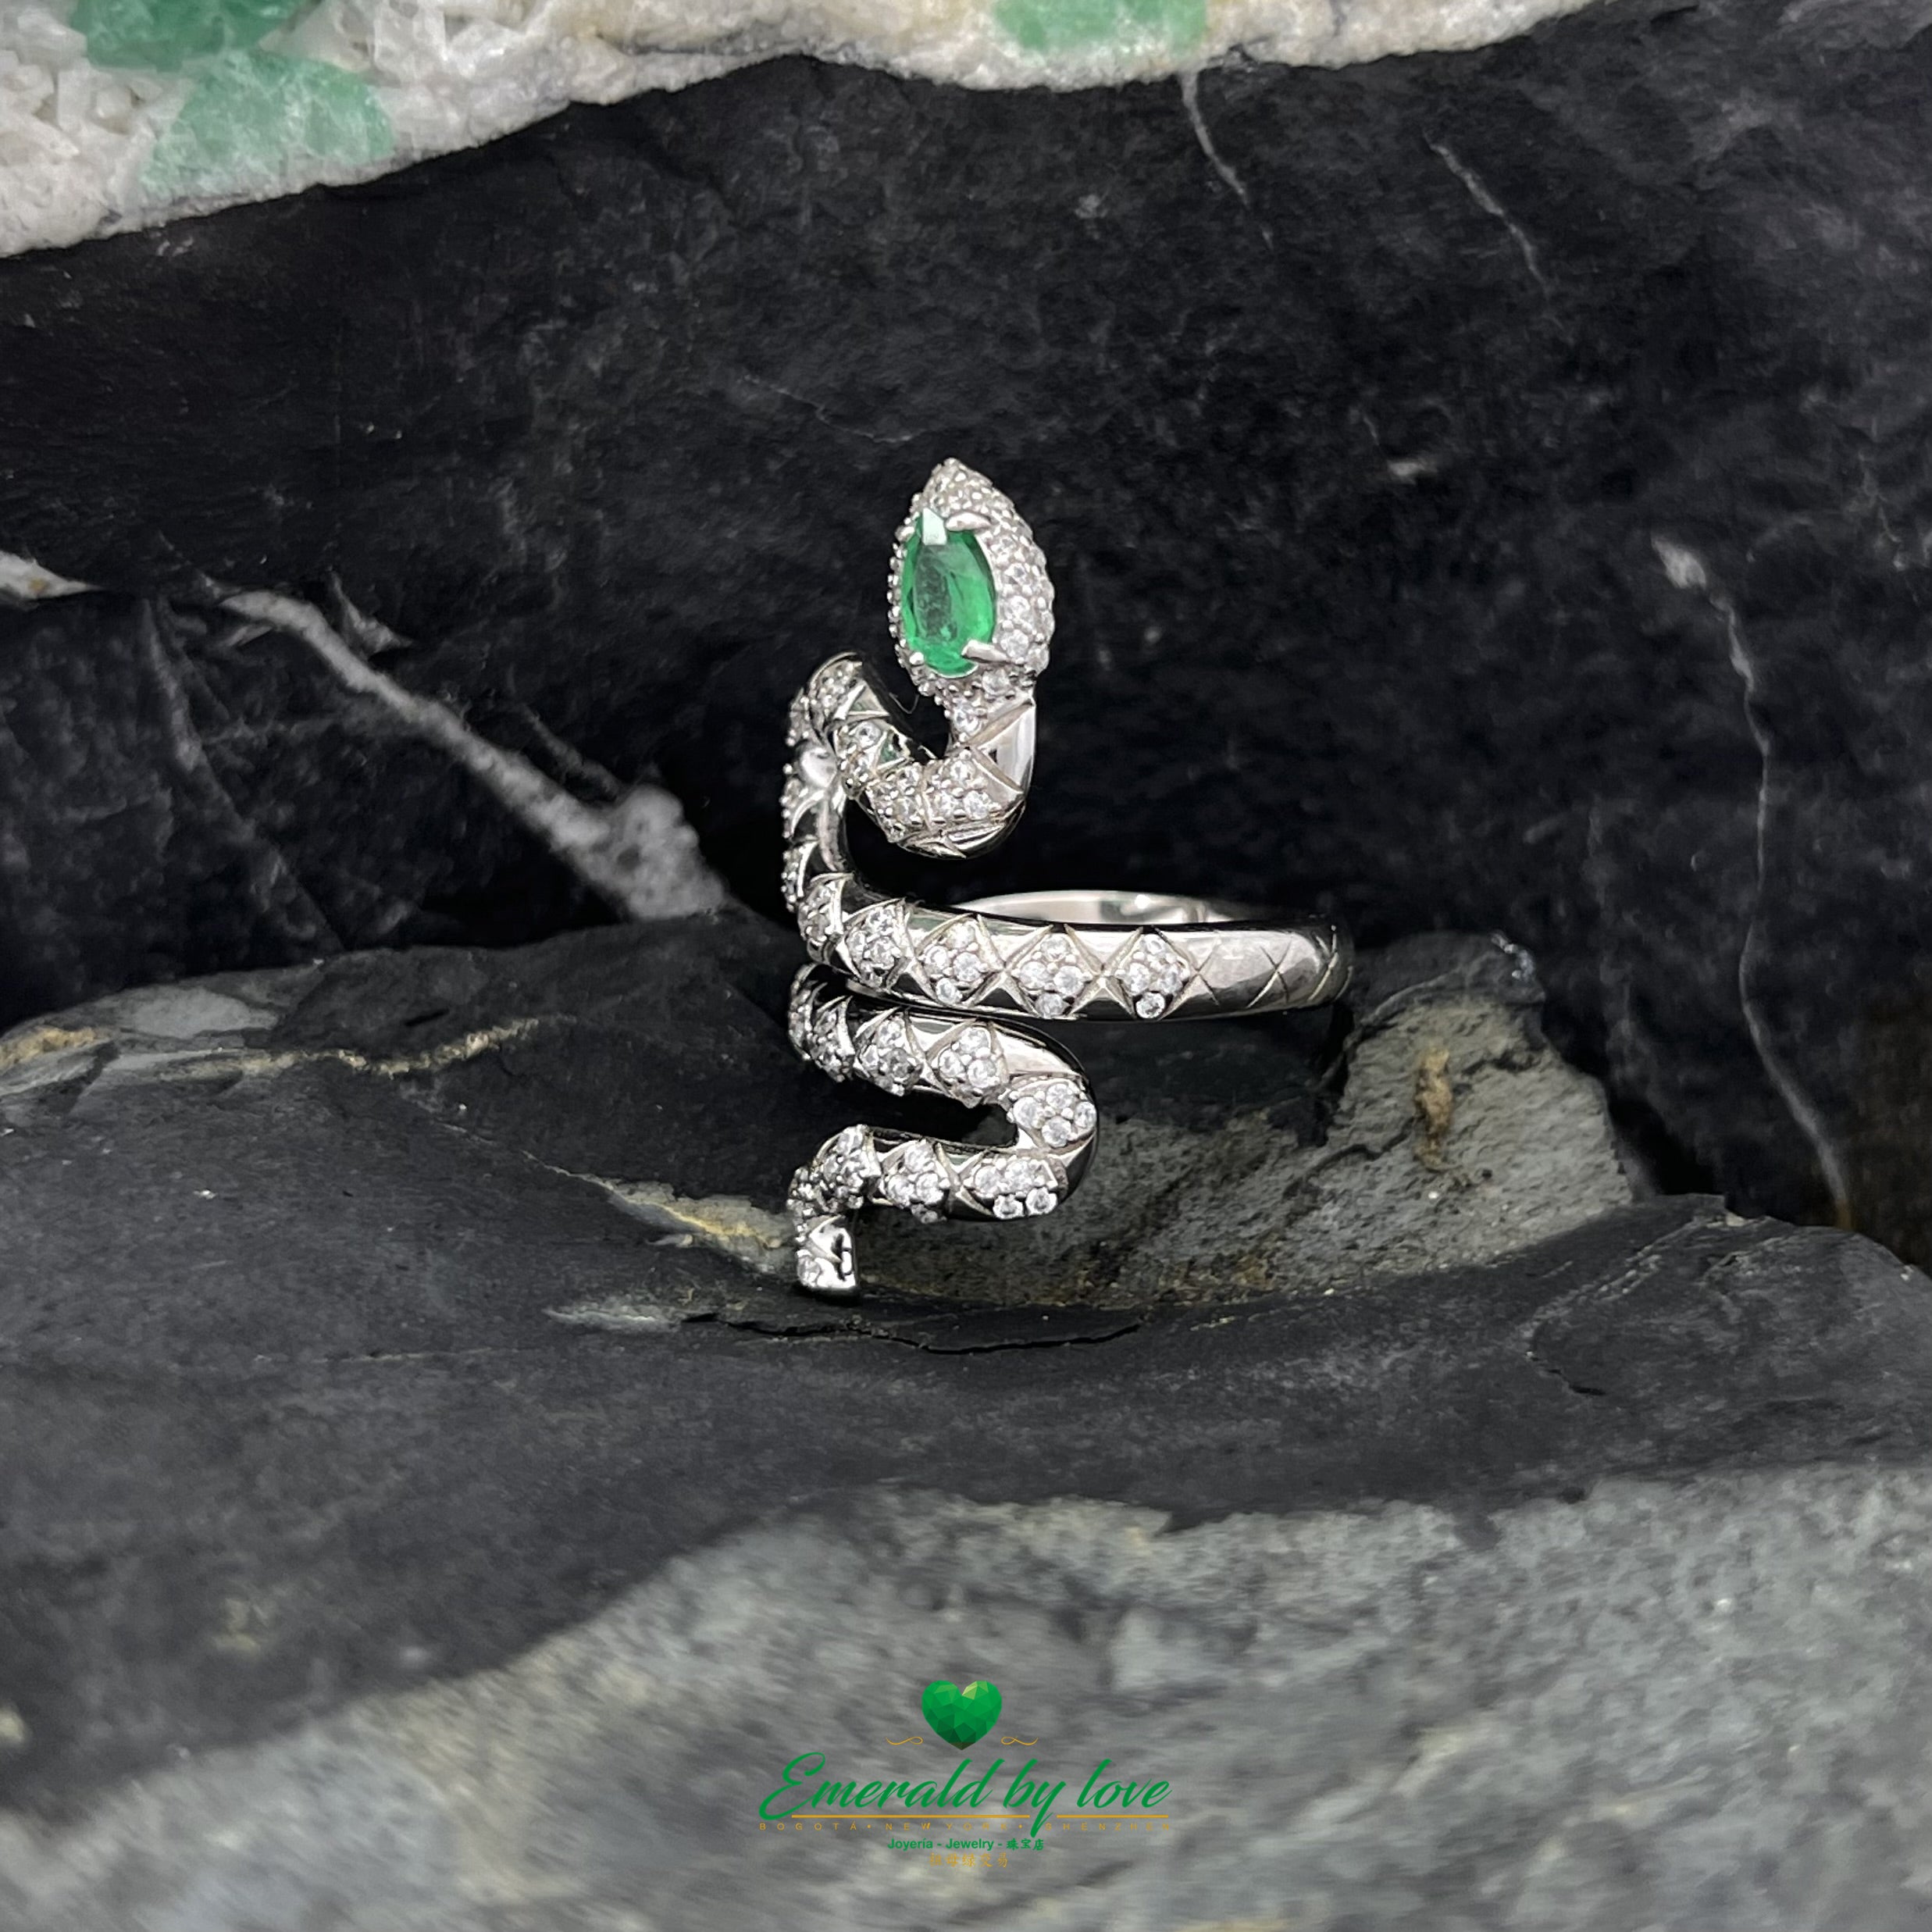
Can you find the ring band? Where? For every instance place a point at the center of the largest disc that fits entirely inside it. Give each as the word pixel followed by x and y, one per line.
pixel 1062 955
pixel 929 993
pixel 979 1063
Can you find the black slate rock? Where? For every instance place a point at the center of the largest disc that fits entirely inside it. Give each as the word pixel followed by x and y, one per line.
pixel 336 1357
pixel 1505 509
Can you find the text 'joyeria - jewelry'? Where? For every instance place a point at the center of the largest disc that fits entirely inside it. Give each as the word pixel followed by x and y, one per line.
pixel 914 997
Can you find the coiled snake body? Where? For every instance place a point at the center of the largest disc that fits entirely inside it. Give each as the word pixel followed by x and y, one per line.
pixel 903 959
pixel 917 998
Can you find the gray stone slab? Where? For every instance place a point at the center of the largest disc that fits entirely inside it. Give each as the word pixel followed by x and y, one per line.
pixel 365 1329
pixel 1684 1705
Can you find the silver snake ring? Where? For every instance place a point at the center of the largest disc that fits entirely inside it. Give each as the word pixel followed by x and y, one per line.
pixel 919 998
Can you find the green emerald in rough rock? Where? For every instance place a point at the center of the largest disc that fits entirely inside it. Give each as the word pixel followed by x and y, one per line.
pixel 946 596
pixel 250 116
pixel 165 33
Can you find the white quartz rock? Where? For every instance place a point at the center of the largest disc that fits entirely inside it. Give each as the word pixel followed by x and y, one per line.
pixel 77 140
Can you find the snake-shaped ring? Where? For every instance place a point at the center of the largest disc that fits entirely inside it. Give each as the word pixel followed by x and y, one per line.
pixel 916 997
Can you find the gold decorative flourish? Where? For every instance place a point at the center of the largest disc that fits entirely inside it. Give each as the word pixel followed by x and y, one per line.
pixel 1019 1741
pixel 915 1738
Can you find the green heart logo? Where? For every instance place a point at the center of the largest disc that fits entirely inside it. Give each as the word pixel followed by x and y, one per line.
pixel 962 1714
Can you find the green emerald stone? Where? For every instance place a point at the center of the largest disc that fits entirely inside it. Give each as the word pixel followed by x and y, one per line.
pixel 250 115
pixel 1055 26
pixel 165 33
pixel 946 596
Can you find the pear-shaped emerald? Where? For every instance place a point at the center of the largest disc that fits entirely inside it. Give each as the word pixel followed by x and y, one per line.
pixel 946 596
